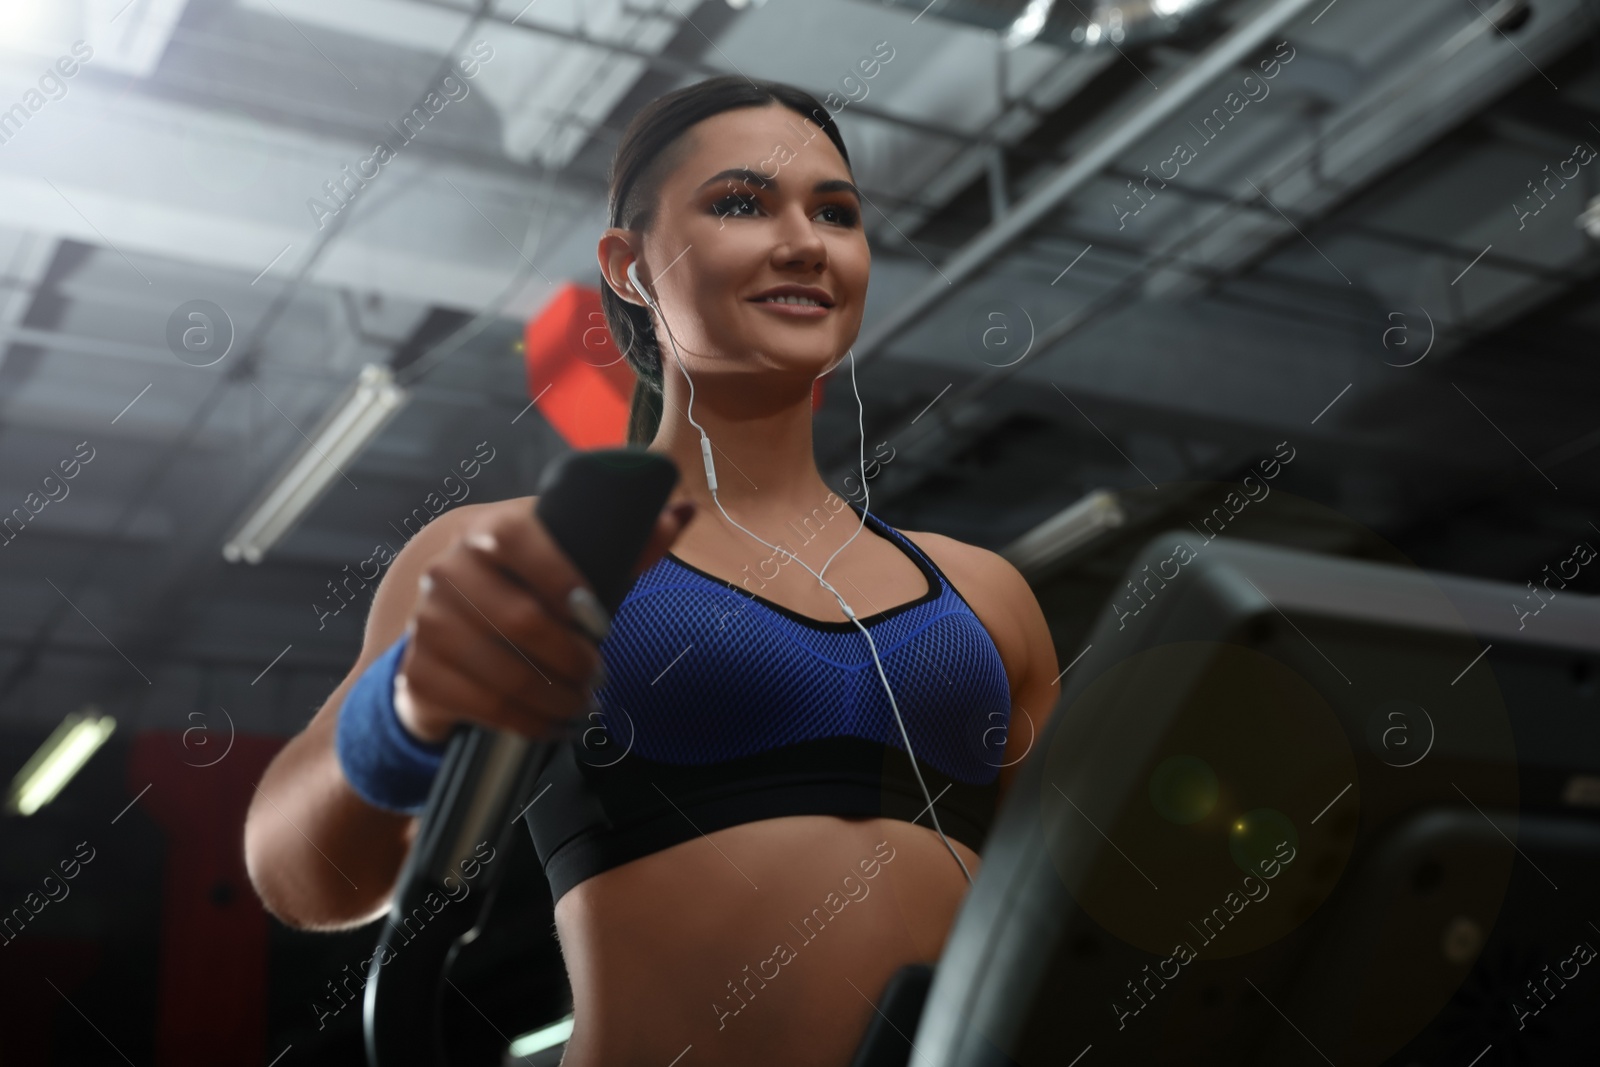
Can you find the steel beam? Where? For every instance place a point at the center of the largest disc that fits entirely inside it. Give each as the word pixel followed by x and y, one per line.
pixel 1225 54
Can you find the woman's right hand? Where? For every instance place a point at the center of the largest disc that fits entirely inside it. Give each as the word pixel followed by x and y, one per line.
pixel 494 637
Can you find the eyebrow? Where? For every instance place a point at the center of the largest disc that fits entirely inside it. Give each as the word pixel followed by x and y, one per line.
pixel 761 181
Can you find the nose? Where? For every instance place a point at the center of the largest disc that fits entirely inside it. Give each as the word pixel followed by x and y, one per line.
pixel 799 245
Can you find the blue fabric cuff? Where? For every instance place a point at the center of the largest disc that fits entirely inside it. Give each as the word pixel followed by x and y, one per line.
pixel 383 763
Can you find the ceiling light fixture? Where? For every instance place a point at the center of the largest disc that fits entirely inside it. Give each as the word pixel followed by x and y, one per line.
pixel 365 410
pixel 544 1037
pixel 1066 531
pixel 61 756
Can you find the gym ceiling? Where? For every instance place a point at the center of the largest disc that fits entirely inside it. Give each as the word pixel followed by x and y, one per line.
pixel 1362 253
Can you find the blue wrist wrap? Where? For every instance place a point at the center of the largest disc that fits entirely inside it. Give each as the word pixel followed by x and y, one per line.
pixel 383 763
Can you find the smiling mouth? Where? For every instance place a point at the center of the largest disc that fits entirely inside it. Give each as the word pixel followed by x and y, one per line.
pixel 796 301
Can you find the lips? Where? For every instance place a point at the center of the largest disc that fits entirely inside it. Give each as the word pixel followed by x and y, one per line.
pixel 791 301
pixel 792 308
pixel 798 296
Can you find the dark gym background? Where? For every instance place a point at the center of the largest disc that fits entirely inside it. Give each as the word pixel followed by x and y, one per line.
pixel 1380 258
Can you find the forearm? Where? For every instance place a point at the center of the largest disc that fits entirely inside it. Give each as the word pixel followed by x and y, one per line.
pixel 319 856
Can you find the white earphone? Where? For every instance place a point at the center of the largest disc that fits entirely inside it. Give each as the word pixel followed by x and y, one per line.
pixel 711 482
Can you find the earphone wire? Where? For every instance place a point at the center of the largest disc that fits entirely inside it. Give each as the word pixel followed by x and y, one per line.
pixel 711 482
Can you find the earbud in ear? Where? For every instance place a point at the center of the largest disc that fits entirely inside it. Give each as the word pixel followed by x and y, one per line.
pixel 633 276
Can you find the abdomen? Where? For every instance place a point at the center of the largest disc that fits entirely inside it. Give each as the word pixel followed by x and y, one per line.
pixel 767 942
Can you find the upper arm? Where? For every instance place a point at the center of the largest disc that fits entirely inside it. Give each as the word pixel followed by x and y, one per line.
pixel 1035 682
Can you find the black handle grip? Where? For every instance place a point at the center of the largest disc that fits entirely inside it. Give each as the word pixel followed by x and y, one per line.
pixel 600 507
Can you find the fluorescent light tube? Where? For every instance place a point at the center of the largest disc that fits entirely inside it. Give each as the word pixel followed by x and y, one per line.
pixel 370 404
pixel 61 756
pixel 542 1038
pixel 1066 531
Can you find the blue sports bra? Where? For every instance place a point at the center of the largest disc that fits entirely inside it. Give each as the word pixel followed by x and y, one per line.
pixel 722 708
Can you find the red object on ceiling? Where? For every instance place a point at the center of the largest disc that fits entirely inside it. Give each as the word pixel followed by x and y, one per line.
pixel 576 374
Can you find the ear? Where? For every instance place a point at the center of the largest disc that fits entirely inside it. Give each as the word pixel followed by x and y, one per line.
pixel 615 253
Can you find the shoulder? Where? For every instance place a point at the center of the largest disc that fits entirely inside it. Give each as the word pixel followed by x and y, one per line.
pixel 959 560
pixel 993 587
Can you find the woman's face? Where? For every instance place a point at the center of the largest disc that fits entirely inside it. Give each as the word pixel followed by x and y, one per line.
pixel 759 201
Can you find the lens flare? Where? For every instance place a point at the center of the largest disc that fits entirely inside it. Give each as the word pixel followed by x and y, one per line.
pixel 1183 789
pixel 1257 835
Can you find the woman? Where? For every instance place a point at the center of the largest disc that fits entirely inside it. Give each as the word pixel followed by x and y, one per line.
pixel 740 873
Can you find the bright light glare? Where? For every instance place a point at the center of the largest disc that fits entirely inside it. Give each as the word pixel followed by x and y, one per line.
pixel 1169 7
pixel 1028 24
pixel 19 18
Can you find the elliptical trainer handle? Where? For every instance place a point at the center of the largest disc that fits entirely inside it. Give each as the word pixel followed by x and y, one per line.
pixel 600 508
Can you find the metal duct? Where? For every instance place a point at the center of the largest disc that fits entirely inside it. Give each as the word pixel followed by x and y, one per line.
pixel 1076 26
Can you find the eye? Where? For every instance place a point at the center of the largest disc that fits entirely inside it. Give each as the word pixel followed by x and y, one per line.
pixel 734 204
pixel 842 215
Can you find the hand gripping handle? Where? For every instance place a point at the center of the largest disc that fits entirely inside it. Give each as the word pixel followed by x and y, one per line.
pixel 600 507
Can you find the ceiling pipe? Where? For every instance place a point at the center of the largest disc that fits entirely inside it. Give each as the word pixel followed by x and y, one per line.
pixel 1228 51
pixel 686 67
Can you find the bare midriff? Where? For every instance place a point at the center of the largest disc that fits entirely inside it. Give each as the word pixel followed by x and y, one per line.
pixel 702 954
